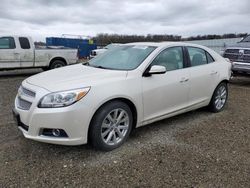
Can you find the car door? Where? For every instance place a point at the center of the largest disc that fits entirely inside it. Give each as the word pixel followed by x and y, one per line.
pixel 167 93
pixel 9 55
pixel 27 53
pixel 202 75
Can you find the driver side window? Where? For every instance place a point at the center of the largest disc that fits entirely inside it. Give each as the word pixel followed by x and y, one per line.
pixel 171 58
pixel 7 43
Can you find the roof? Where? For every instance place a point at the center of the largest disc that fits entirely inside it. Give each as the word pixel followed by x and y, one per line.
pixel 164 43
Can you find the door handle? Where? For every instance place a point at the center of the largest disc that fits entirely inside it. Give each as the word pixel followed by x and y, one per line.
pixel 16 53
pixel 184 80
pixel 213 72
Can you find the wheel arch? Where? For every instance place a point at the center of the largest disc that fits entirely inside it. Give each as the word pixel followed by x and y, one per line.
pixel 224 80
pixel 122 99
pixel 57 58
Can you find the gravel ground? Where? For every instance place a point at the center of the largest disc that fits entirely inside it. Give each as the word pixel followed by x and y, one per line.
pixel 196 149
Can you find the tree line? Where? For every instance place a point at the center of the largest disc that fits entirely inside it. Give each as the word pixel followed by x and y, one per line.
pixel 104 39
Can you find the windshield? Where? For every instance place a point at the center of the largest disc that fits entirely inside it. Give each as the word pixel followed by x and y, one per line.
pixel 126 57
pixel 247 39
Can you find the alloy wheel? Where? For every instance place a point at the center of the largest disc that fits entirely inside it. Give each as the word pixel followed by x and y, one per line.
pixel 221 97
pixel 115 126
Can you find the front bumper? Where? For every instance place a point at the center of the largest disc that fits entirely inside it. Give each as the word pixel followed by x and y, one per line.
pixel 74 120
pixel 241 67
pixel 74 130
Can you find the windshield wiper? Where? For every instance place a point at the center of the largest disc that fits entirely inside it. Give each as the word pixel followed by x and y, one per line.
pixel 99 66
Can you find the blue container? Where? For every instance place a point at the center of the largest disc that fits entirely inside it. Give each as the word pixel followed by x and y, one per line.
pixel 84 46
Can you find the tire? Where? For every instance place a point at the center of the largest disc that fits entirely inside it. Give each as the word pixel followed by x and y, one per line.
pixel 57 64
pixel 106 131
pixel 219 99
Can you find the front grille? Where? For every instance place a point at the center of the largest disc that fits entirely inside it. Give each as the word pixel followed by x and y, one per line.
pixel 23 104
pixel 246 58
pixel 247 52
pixel 238 55
pixel 231 56
pixel 27 92
pixel 25 98
pixel 232 51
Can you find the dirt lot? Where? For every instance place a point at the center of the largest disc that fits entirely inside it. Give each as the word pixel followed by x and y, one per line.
pixel 197 149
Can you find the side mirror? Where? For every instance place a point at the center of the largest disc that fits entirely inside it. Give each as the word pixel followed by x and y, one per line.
pixel 157 69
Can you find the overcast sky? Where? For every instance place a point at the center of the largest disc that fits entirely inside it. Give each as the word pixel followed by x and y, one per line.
pixel 41 18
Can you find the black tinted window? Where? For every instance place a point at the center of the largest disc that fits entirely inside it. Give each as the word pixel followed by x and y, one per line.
pixel 171 58
pixel 7 43
pixel 24 43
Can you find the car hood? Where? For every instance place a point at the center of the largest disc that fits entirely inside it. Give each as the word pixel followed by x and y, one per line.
pixel 73 77
pixel 241 45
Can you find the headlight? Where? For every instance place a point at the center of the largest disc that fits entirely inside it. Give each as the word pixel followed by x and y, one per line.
pixel 62 99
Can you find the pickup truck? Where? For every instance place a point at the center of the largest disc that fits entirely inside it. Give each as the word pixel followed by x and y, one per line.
pixel 239 55
pixel 96 52
pixel 20 52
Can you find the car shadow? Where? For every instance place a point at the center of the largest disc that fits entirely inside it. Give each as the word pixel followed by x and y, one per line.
pixel 19 73
pixel 241 81
pixel 137 135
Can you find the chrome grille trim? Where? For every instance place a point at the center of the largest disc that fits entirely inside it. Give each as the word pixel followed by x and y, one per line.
pixel 25 98
pixel 28 92
pixel 232 51
pixel 23 104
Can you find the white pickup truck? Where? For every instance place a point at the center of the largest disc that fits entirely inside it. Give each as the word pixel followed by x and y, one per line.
pixel 102 50
pixel 20 52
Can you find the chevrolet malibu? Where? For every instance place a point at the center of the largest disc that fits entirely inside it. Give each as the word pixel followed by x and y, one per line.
pixel 132 85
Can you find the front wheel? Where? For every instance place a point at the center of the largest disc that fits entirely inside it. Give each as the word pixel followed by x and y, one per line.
pixel 111 126
pixel 219 98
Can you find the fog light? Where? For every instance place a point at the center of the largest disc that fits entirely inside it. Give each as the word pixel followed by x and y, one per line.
pixel 53 132
pixel 56 132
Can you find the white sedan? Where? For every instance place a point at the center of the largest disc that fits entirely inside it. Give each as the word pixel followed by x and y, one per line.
pixel 133 85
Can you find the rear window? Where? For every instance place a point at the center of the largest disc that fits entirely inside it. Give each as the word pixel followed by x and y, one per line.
pixel 7 43
pixel 199 56
pixel 210 59
pixel 24 43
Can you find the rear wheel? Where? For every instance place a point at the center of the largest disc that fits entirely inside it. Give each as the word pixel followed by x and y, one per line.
pixel 57 64
pixel 219 98
pixel 111 126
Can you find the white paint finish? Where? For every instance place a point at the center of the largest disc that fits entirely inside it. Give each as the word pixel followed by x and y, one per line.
pixel 170 90
pixel 155 97
pixel 202 83
pixel 9 58
pixel 27 58
pixel 75 76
